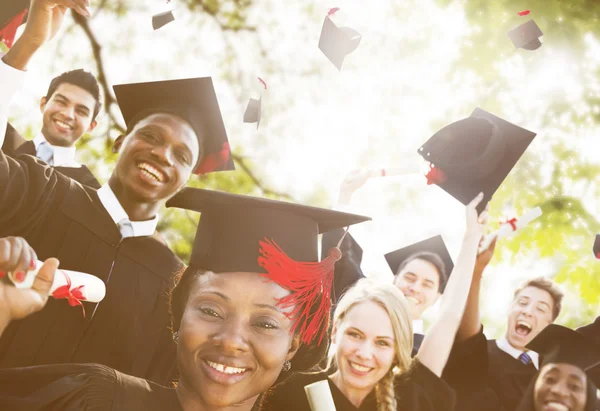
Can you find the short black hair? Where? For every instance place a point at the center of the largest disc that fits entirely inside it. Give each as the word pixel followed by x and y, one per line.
pixel 80 78
pixel 433 259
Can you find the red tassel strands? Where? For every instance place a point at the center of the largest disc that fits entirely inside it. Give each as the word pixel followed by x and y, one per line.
pixel 73 296
pixel 309 284
pixel 8 33
pixel 214 161
pixel 435 175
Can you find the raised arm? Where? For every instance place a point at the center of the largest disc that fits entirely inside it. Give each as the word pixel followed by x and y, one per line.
pixel 438 342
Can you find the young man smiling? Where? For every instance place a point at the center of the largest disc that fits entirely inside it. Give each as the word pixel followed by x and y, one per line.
pixel 69 111
pixel 174 128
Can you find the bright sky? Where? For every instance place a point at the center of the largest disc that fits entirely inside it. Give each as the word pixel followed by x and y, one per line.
pixel 391 96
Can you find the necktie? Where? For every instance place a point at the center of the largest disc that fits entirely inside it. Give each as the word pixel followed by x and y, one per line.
pixel 45 152
pixel 525 358
pixel 125 228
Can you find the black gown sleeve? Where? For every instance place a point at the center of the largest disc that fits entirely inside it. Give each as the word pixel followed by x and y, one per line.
pixel 64 387
pixel 419 389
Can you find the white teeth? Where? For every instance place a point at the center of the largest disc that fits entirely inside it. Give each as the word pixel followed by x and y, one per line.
pixel 524 324
pixel 225 369
pixel 558 406
pixel 63 125
pixel 151 171
pixel 360 368
pixel 414 300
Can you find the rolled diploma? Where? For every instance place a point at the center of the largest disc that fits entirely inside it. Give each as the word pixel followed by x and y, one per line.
pixel 93 288
pixel 319 396
pixel 506 229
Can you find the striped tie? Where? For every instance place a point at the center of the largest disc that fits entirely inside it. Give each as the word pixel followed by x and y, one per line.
pixel 525 358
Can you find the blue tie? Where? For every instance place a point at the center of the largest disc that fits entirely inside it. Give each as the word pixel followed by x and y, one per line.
pixel 525 358
pixel 45 152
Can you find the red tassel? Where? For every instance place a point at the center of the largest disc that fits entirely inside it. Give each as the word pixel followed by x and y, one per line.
pixel 73 296
pixel 309 283
pixel 263 82
pixel 435 176
pixel 8 33
pixel 598 255
pixel 524 13
pixel 332 11
pixel 214 161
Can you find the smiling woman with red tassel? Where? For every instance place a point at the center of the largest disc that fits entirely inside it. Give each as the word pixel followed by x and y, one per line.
pixel 252 307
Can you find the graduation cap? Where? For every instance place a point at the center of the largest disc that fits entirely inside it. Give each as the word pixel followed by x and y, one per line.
pixel 597 246
pixel 347 270
pixel 247 234
pixel 337 42
pixel 558 344
pixel 475 155
pixel 253 111
pixel 192 99
pixel 162 19
pixel 434 245
pixel 526 36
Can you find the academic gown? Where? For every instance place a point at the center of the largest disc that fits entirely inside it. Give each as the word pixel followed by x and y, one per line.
pixel 417 390
pixel 15 145
pixel 81 387
pixel 61 218
pixel 477 365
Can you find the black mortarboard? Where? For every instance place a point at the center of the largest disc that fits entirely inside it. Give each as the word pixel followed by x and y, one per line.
pixel 232 225
pixel 11 9
pixel 162 19
pixel 253 111
pixel 558 344
pixel 434 245
pixel 526 36
pixel 597 246
pixel 192 99
pixel 347 270
pixel 337 42
pixel 476 154
pixel 247 234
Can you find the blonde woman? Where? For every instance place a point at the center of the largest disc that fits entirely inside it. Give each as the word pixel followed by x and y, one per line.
pixel 371 368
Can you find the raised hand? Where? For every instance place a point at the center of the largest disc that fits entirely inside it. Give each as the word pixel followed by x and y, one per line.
pixel 353 181
pixel 46 16
pixel 476 223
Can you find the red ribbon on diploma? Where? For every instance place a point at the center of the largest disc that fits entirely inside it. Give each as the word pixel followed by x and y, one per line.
pixel 512 222
pixel 73 296
pixel 435 175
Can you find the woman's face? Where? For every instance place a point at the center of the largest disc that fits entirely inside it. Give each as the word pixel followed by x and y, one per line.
pixel 560 387
pixel 233 339
pixel 364 346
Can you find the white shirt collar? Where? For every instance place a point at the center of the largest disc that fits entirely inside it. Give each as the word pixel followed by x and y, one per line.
pixel 505 346
pixel 417 326
pixel 117 213
pixel 63 156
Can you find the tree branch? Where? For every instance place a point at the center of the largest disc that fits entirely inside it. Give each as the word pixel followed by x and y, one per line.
pixel 241 162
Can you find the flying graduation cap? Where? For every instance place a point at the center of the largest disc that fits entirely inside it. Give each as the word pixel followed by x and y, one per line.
pixel 526 36
pixel 475 155
pixel 162 19
pixel 435 245
pixel 253 109
pixel 596 248
pixel 337 42
pixel 194 100
pixel 239 233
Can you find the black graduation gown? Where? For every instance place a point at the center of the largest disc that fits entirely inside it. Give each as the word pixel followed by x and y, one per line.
pixel 61 218
pixel 81 387
pixel 417 390
pixel 417 341
pixel 15 145
pixel 478 365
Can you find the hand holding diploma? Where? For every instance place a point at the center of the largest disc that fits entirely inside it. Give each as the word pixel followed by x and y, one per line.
pixel 319 396
pixel 510 227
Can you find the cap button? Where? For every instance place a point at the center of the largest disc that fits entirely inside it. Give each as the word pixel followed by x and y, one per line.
pixel 335 253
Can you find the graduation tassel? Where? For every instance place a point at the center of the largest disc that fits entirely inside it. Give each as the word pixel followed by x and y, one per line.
pixel 8 33
pixel 435 175
pixel 214 161
pixel 309 283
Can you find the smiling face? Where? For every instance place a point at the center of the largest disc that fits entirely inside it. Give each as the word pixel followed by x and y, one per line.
pixel 156 158
pixel 560 387
pixel 67 115
pixel 530 313
pixel 364 347
pixel 233 339
pixel 419 281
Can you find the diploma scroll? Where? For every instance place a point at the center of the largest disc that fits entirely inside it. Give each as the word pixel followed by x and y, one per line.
pixel 510 227
pixel 92 288
pixel 319 396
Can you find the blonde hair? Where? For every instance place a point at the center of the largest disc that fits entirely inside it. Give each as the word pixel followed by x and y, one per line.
pixel 550 287
pixel 388 297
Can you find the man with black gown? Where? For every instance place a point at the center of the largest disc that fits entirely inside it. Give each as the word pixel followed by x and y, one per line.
pixel 174 127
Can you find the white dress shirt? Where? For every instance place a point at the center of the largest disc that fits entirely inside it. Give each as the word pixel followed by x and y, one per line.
pixel 418 327
pixel 119 215
pixel 505 346
pixel 62 156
